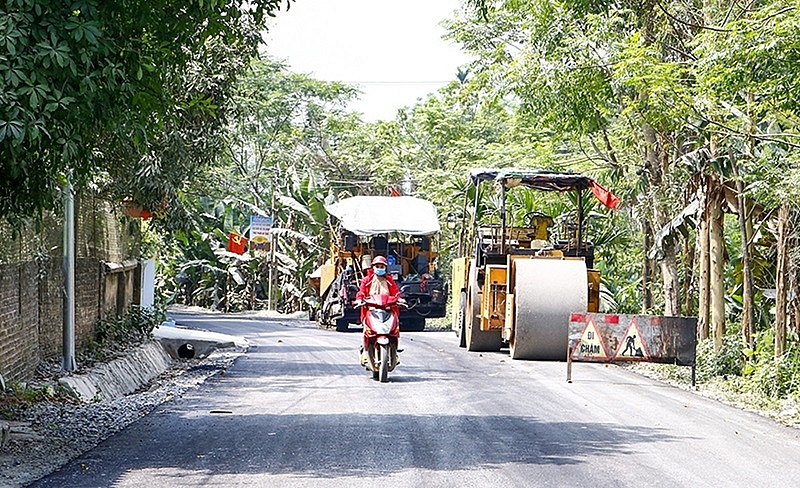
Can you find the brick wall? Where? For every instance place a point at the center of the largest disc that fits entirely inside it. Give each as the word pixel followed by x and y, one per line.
pixel 32 277
pixel 87 299
pixel 19 312
pixel 29 314
pixel 51 308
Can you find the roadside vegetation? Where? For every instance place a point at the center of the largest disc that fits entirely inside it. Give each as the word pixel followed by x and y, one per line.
pixel 687 111
pixel 114 335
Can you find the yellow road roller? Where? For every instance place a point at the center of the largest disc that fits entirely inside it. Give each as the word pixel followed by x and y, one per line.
pixel 515 282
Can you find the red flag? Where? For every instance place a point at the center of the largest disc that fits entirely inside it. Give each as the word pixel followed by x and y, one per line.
pixel 605 196
pixel 133 210
pixel 236 243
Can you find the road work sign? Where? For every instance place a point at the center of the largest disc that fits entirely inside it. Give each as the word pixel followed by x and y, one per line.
pixel 591 343
pixel 631 346
pixel 632 338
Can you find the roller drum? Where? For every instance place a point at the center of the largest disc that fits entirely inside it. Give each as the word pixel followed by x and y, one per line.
pixel 546 292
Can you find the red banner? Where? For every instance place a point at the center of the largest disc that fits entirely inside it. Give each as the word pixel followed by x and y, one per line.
pixel 236 243
pixel 605 196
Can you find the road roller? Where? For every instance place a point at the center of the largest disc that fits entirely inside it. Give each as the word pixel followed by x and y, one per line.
pixel 516 281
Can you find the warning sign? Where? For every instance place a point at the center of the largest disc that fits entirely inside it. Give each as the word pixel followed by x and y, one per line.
pixel 671 340
pixel 590 344
pixel 632 346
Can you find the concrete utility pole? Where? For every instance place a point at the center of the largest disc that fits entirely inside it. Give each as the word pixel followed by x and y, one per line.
pixel 271 261
pixel 272 241
pixel 68 362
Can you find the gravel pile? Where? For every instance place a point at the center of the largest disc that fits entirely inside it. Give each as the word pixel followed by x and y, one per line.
pixel 49 434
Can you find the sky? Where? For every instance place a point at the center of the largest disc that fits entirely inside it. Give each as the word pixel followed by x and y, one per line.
pixel 390 50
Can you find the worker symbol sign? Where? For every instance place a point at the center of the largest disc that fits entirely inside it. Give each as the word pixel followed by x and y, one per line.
pixel 590 345
pixel 604 337
pixel 631 346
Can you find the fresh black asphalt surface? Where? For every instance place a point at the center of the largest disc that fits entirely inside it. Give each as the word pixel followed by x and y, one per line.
pixel 297 410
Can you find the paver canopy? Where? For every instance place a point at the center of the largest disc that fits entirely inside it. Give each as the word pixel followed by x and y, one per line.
pixel 369 215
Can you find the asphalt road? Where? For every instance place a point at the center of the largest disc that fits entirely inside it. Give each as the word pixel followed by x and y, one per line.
pixel 298 410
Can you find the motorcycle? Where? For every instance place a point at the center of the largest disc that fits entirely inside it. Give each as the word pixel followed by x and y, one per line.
pixel 381 325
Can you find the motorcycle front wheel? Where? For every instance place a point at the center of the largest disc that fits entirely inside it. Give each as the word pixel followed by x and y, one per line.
pixel 383 357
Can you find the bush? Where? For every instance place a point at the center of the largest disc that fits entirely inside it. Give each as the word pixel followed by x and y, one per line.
pixel 135 326
pixel 728 361
pixel 773 377
pixel 777 377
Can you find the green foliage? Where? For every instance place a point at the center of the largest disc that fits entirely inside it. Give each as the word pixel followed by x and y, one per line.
pixel 133 327
pixel 195 267
pixel 778 377
pixel 755 372
pixel 290 148
pixel 728 361
pixel 18 396
pixel 756 52
pixel 768 376
pixel 87 86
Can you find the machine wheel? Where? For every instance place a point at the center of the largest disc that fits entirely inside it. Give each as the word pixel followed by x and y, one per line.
pixel 547 291
pixel 342 325
pixel 477 339
pixel 462 312
pixel 383 357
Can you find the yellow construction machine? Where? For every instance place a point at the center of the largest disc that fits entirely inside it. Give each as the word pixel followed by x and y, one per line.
pixel 517 285
pixel 402 229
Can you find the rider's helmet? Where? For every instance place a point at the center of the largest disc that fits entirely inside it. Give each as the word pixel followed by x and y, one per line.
pixel 379 260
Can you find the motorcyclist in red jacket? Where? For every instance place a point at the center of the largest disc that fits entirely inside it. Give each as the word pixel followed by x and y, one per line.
pixel 377 281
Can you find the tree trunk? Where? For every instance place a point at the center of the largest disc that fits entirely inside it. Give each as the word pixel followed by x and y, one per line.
pixel 748 304
pixel 793 300
pixel 669 275
pixel 656 164
pixel 647 274
pixel 704 258
pixel 688 283
pixel 748 292
pixel 717 268
pixel 781 279
pixel 794 305
pixel 654 177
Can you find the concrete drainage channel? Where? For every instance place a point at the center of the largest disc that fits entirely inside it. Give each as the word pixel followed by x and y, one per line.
pixel 120 376
pixel 127 374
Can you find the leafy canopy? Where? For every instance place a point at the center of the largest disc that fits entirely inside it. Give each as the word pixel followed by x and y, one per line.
pixel 76 78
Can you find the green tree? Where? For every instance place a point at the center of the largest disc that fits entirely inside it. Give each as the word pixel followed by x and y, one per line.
pixel 84 83
pixel 747 74
pixel 289 148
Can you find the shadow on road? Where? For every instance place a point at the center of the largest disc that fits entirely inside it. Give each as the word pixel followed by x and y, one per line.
pixel 349 445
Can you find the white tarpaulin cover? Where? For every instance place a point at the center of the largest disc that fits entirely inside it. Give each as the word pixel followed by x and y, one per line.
pixel 367 215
